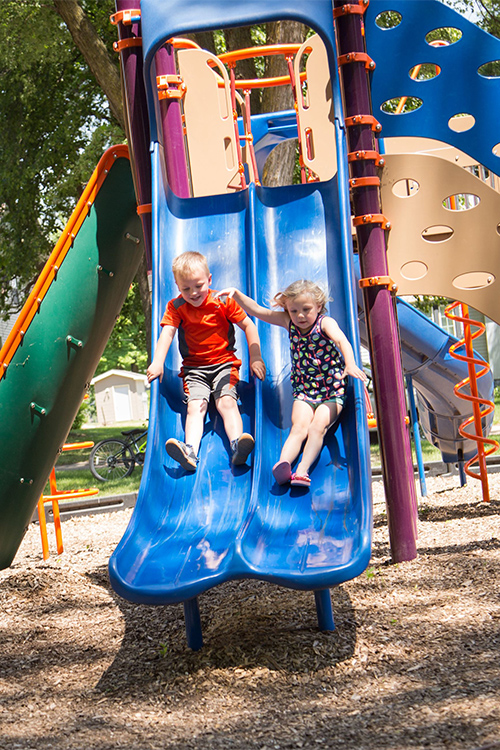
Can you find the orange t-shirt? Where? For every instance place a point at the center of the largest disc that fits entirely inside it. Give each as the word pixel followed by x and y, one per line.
pixel 206 333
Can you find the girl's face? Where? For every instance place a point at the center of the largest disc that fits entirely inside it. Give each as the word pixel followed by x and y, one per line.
pixel 303 311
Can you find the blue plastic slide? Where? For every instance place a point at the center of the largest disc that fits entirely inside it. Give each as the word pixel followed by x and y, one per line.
pixel 191 532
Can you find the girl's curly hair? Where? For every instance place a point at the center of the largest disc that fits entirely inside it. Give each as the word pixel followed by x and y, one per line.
pixel 296 288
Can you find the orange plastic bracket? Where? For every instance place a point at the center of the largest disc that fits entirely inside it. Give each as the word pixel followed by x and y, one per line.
pixel 372 219
pixel 356 182
pixel 357 120
pixel 378 281
pixel 352 57
pixel 133 41
pixel 146 208
pixel 126 17
pixel 164 83
pixel 345 10
pixel 366 156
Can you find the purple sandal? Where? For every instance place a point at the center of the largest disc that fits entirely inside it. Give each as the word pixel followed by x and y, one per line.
pixel 282 472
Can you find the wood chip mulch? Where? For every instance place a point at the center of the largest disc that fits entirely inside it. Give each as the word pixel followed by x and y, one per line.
pixel 414 661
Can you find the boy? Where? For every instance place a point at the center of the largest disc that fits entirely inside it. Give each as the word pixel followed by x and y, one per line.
pixel 209 364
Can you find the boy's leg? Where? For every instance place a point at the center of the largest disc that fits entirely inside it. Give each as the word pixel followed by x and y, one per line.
pixel 230 413
pixel 225 395
pixel 324 416
pixel 195 420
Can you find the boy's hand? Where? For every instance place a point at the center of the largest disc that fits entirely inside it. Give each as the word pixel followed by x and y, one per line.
pixel 154 371
pixel 258 368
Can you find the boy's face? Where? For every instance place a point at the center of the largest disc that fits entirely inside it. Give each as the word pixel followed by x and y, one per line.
pixel 194 287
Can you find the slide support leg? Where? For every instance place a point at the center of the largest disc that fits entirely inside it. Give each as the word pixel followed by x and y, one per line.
pixel 193 624
pixel 324 609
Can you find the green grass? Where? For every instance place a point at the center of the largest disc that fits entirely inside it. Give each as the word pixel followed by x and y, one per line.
pixel 81 478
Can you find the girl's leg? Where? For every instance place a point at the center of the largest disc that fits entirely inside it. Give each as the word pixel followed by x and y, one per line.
pixel 230 413
pixel 302 416
pixel 324 416
pixel 195 420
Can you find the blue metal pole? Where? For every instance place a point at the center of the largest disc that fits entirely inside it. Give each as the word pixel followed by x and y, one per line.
pixel 416 435
pixel 324 609
pixel 192 623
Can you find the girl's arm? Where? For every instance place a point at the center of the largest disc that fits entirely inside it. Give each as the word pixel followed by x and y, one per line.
pixel 331 328
pixel 155 369
pixel 251 307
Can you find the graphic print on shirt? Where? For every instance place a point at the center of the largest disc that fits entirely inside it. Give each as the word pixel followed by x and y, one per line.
pixel 317 365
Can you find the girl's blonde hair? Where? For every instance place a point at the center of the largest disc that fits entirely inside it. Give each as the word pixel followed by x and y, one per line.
pixel 187 263
pixel 296 288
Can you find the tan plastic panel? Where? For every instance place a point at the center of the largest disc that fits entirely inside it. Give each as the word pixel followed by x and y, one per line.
pixel 460 258
pixel 317 112
pixel 211 140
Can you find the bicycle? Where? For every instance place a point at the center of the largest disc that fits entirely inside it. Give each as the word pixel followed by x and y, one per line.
pixel 114 458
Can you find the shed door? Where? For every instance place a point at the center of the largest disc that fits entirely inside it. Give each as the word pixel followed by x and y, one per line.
pixel 122 403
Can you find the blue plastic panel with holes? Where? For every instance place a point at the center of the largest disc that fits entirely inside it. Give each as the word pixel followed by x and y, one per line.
pixel 458 87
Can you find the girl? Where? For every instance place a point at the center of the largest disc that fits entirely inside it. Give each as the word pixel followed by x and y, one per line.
pixel 321 356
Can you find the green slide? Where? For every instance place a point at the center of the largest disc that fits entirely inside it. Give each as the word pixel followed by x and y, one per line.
pixel 51 355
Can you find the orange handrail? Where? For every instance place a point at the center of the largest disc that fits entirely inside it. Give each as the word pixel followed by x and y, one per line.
pixel 54 497
pixel 265 51
pixel 49 272
pixel 477 402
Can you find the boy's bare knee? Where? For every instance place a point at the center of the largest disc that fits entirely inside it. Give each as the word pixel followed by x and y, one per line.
pixel 226 404
pixel 197 407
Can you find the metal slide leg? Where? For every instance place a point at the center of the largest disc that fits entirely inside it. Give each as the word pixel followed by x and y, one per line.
pixel 324 609
pixel 193 624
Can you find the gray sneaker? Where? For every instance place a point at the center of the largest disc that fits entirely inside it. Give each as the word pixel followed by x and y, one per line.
pixel 182 453
pixel 241 448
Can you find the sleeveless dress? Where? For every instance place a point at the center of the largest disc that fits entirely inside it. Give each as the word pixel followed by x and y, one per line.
pixel 316 362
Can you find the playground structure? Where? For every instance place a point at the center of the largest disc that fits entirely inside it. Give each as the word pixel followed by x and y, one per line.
pixel 200 189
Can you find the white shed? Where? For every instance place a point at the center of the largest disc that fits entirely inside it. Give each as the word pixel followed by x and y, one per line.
pixel 120 396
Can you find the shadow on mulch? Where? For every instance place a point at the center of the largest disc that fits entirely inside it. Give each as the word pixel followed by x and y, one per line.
pixel 247 625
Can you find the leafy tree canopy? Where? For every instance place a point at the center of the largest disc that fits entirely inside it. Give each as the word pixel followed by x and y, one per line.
pixel 55 124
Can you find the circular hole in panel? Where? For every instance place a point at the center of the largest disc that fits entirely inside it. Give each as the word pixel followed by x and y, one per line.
pixel 414 270
pixel 405 188
pixel 424 71
pixel 462 122
pixel 498 228
pixel 388 19
pixel 437 233
pixel 401 105
pixel 496 149
pixel 461 202
pixel 443 36
pixel 473 280
pixel 490 69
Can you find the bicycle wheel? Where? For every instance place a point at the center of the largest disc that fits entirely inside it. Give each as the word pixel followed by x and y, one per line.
pixel 111 459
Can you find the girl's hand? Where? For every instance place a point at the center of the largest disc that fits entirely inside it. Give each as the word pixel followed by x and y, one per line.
pixel 258 367
pixel 230 291
pixel 356 372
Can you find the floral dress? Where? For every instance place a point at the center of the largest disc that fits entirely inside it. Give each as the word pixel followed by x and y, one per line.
pixel 316 366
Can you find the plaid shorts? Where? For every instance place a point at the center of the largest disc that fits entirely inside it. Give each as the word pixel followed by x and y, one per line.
pixel 219 380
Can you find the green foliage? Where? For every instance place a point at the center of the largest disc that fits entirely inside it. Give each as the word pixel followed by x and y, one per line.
pixel 126 348
pixel 426 303
pixel 55 123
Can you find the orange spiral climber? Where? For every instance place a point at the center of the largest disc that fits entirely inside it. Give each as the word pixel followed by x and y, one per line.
pixel 480 407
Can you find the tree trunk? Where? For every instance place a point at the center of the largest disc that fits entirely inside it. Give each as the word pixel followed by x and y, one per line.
pixel 95 53
pixel 278 169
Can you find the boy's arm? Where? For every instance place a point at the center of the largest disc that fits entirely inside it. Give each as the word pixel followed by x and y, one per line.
pixel 251 307
pixel 331 328
pixel 155 369
pixel 257 366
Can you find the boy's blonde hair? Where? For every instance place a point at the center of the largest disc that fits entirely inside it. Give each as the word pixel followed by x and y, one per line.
pixel 187 263
pixel 296 288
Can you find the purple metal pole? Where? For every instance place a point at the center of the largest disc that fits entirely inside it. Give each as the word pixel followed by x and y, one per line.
pixel 136 116
pixel 173 135
pixel 381 320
